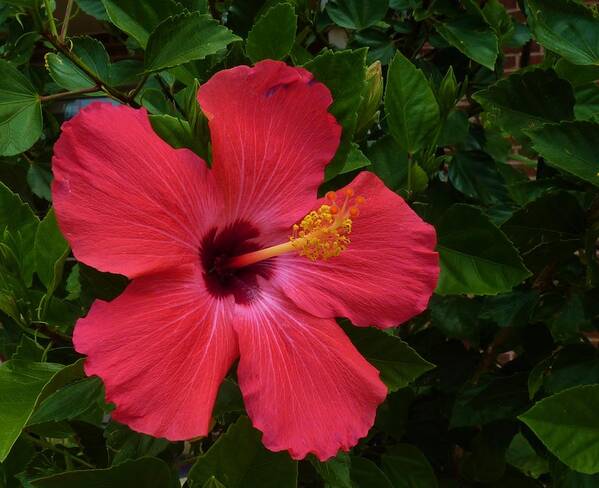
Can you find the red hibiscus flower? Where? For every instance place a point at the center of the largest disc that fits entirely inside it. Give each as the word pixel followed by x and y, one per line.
pixel 240 261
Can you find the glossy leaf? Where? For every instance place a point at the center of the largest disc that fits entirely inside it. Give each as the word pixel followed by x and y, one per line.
pixel 21 383
pixel 527 101
pixel 200 32
pixel 398 363
pixel 20 112
pixel 356 14
pixel 238 459
pixel 273 34
pixel 407 467
pixel 473 37
pixel 366 474
pixel 567 28
pixel 410 104
pixel 51 249
pixel 567 424
pixel 70 401
pixel 66 74
pixel 476 257
pixel 570 147
pixel 139 18
pixel 343 72
pixel 17 218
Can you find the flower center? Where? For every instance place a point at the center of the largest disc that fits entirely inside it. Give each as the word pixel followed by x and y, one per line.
pixel 322 234
pixel 218 246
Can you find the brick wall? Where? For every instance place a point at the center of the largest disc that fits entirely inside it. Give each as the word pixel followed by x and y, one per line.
pixel 513 57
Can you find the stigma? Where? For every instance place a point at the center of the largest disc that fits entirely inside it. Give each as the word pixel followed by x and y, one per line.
pixel 322 234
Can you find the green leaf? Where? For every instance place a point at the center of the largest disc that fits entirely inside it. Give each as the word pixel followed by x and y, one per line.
pixel 51 250
pixel 183 38
pixel 18 218
pixel 28 350
pixel 356 14
pixel 473 37
pixel 131 445
pixel 567 424
pixel 70 401
pixel 20 112
pixel 521 455
pixel 456 317
pixel 335 471
pixel 410 104
pixel 21 383
pixel 343 72
pixel 66 74
pixel 212 482
pixel 407 467
pixel 476 257
pixel 39 180
pixel 273 34
pixel 587 102
pixel 366 474
pixel 238 459
pixel 176 132
pixel 475 174
pixel 95 8
pixel 567 28
pixel 570 147
pixel 547 228
pixel 390 164
pixel 139 18
pixel 492 398
pixel 397 362
pixel 356 159
pixel 141 473
pixel 527 101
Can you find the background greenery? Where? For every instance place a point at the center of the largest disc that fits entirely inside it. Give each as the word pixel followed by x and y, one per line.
pixel 497 384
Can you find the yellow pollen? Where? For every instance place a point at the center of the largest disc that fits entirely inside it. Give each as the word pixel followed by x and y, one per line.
pixel 322 234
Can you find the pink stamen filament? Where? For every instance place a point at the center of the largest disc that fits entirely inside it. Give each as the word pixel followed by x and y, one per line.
pixel 257 256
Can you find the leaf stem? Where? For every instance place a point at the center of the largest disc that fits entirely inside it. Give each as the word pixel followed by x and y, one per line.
pixel 67 94
pixel 167 92
pixel 54 334
pixel 133 93
pixel 65 22
pixel 52 447
pixel 50 16
pixel 113 92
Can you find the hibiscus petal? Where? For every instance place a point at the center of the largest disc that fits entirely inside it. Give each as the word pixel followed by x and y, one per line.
pixel 271 139
pixel 385 276
pixel 126 201
pixel 305 385
pixel 162 349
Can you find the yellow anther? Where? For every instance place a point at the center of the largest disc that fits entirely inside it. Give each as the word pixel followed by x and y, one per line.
pixel 324 233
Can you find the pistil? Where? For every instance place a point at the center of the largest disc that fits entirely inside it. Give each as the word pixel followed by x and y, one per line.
pixel 321 235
